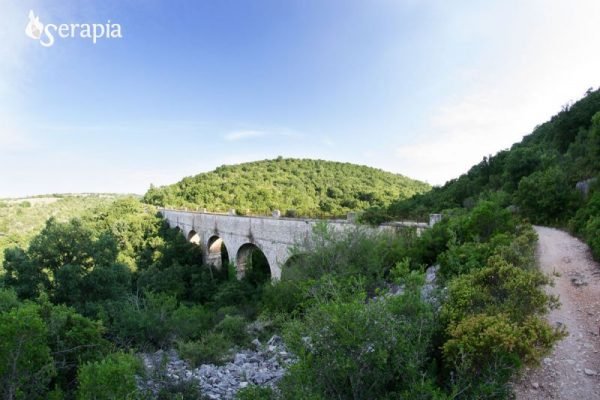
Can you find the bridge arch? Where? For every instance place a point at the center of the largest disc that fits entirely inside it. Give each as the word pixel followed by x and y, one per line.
pixel 252 262
pixel 216 251
pixel 193 237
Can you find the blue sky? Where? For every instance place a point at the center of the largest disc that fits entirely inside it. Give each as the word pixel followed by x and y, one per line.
pixel 423 88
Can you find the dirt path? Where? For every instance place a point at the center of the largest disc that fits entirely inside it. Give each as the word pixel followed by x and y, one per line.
pixel 572 371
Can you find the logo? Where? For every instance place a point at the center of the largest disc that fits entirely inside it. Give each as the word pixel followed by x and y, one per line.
pixel 34 27
pixel 47 34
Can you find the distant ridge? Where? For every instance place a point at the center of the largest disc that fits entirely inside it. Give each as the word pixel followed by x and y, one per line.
pixel 302 187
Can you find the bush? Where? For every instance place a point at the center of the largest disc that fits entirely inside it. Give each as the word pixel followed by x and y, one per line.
pixel 591 209
pixel 233 293
pixel 8 300
pixel 518 251
pixel 592 235
pixel 145 321
pixel 179 390
pixel 498 288
pixel 209 349
pixel 155 320
pixel 287 297
pixel 462 259
pixel 358 349
pixel 483 350
pixel 234 329
pixel 487 219
pixel 73 340
pixel 547 196
pixel 356 252
pixel 478 340
pixel 254 392
pixel 192 322
pixel 111 379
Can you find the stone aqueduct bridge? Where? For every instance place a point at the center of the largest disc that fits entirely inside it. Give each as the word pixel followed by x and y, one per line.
pixel 274 236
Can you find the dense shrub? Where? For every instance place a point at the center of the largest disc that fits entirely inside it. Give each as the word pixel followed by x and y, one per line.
pixel 191 322
pixel 254 392
pixel 591 209
pixel 547 196
pixel 480 340
pixel 73 340
pixel 493 325
pixel 592 234
pixel 461 259
pixel 179 390
pixel 484 351
pixel 285 296
pixel 109 379
pixel 25 277
pixel 8 300
pixel 234 329
pixel 26 366
pixel 586 223
pixel 517 250
pixel 498 288
pixel 209 349
pixel 357 349
pixel 156 320
pixel 485 220
pixel 356 252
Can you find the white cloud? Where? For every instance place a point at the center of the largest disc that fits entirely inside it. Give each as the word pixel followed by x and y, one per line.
pixel 242 135
pixel 327 141
pixel 13 138
pixel 541 60
pixel 238 135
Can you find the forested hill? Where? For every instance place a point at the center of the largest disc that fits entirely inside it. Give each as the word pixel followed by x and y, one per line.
pixel 22 219
pixel 294 186
pixel 537 176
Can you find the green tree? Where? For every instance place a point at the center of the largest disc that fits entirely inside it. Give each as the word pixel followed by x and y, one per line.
pixel 22 274
pixel 26 365
pixel 73 340
pixel 546 196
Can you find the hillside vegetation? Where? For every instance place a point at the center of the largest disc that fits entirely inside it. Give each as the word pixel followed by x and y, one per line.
pixel 21 219
pixel 294 186
pixel 88 294
pixel 537 177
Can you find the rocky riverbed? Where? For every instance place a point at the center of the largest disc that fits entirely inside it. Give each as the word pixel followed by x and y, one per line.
pixel 263 366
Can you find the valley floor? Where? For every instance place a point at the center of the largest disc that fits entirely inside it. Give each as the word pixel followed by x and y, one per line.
pixel 572 371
